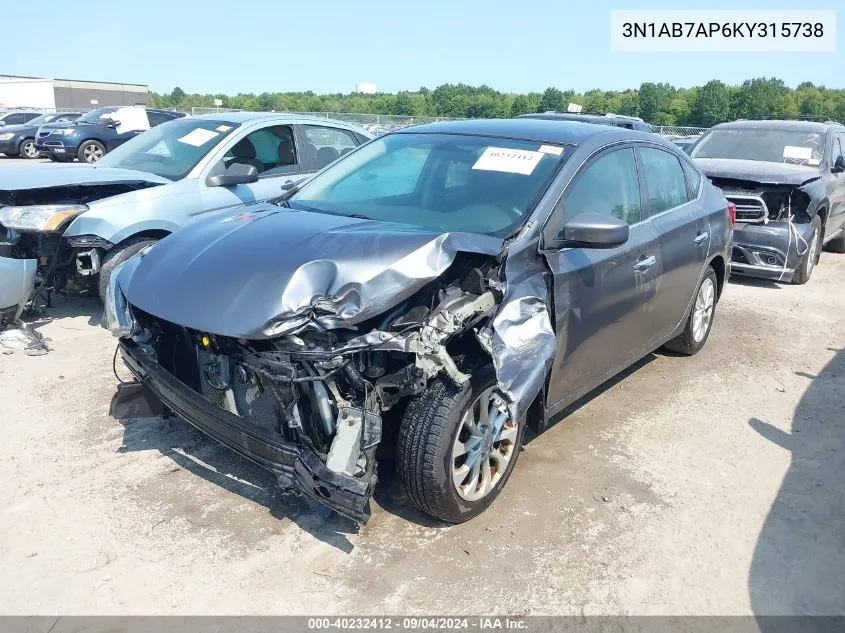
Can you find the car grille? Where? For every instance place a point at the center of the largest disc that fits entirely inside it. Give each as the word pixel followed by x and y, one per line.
pixel 749 209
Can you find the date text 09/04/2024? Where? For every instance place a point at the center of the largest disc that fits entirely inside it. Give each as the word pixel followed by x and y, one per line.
pixel 723 29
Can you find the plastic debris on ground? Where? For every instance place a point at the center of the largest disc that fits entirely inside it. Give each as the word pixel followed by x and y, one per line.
pixel 20 337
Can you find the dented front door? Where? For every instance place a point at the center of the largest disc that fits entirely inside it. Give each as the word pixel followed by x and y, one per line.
pixel 603 297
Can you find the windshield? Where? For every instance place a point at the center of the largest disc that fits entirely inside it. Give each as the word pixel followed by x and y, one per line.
pixel 41 120
pixel 762 144
pixel 170 150
pixel 437 181
pixel 100 115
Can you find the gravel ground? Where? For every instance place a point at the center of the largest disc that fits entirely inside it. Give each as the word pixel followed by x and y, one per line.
pixel 704 485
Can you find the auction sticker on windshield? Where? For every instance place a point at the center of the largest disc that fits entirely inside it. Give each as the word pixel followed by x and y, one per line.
pixel 198 137
pixel 513 161
pixel 801 153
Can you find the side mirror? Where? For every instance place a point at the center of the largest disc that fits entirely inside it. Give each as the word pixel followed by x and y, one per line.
pixel 838 164
pixel 590 230
pixel 112 124
pixel 235 174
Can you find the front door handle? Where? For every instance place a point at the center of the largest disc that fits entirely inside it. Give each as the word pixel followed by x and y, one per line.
pixel 701 238
pixel 645 263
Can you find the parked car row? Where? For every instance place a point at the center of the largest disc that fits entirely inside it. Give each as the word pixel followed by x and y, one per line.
pixel 18 139
pixel 436 290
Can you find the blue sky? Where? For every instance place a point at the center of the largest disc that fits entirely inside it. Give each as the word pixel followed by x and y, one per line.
pixel 329 45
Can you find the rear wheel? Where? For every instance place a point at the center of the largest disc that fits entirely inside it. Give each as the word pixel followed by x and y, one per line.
pixel 118 255
pixel 811 257
pixel 700 318
pixel 27 149
pixel 91 151
pixel 457 446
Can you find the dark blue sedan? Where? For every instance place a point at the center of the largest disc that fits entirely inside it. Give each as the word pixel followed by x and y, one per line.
pixel 98 132
pixel 19 140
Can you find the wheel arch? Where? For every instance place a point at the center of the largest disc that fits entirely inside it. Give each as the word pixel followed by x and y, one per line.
pixel 720 266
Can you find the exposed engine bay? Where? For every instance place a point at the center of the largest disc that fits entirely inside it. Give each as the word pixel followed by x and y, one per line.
pixel 32 223
pixel 329 390
pixel 774 230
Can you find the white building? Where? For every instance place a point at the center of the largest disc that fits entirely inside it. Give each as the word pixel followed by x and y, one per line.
pixel 366 88
pixel 49 94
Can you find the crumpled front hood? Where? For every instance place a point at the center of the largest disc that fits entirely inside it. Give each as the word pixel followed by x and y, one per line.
pixel 20 177
pixel 765 173
pixel 246 274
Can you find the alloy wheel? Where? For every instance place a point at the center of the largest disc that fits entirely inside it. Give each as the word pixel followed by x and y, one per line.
pixel 484 446
pixel 702 314
pixel 92 153
pixel 29 150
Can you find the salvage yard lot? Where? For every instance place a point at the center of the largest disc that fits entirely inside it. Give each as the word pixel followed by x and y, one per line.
pixel 705 485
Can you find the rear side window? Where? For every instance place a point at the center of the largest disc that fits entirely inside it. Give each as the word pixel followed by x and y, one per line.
pixel 693 178
pixel 157 118
pixel 609 185
pixel 15 119
pixel 664 179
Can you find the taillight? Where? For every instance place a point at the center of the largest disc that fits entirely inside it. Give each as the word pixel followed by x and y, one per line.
pixel 732 213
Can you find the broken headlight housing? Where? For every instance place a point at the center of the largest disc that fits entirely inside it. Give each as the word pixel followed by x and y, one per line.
pixel 39 217
pixel 117 317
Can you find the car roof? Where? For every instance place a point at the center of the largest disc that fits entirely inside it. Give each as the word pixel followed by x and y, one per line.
pixel 778 124
pixel 243 117
pixel 19 111
pixel 586 116
pixel 560 131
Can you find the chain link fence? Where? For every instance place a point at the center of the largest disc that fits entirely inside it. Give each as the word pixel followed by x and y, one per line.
pixel 678 131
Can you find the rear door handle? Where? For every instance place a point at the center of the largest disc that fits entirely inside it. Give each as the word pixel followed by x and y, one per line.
pixel 645 263
pixel 701 237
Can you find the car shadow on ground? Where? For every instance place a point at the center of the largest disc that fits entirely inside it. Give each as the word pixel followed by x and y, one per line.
pixel 798 567
pixel 63 306
pixel 755 282
pixel 203 457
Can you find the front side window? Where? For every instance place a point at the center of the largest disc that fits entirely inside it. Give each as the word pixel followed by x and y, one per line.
pixel 762 144
pixel 609 185
pixel 170 150
pixel 324 145
pixel 270 150
pixel 442 182
pixel 664 179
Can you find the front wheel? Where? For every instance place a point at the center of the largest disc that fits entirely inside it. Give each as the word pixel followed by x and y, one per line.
pixel 91 151
pixel 811 256
pixel 27 149
pixel 700 318
pixel 457 446
pixel 118 255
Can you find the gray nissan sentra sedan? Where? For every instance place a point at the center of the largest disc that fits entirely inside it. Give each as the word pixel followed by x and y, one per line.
pixel 437 289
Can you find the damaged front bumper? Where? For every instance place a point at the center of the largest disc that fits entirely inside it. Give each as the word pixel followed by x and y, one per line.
pixel 17 281
pixel 292 463
pixel 771 251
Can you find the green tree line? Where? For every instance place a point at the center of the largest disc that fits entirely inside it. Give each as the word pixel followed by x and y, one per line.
pixel 657 103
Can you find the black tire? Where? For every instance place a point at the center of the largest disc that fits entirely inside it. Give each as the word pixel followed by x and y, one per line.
pixel 429 428
pixel 811 257
pixel 90 151
pixel 27 150
pixel 837 244
pixel 686 342
pixel 118 255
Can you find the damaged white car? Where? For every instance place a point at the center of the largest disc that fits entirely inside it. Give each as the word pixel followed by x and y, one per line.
pixel 443 285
